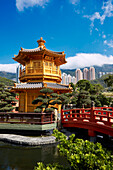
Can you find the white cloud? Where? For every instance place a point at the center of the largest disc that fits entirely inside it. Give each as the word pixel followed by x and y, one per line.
pixel 105 41
pixel 104 36
pixel 107 9
pixel 74 2
pixel 21 4
pixel 87 60
pixel 109 43
pixel 96 29
pixel 8 67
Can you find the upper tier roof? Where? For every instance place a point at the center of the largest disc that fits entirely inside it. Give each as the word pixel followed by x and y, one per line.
pixel 41 49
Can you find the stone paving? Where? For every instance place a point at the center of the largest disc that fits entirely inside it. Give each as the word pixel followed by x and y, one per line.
pixel 24 140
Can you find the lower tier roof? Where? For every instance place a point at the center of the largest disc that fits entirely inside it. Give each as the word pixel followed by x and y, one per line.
pixel 34 85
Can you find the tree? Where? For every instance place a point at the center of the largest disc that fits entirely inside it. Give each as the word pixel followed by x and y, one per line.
pixel 84 85
pixel 91 92
pixel 95 89
pixel 82 154
pixel 104 100
pixel 6 99
pixel 109 80
pixel 48 99
pixel 73 86
pixel 83 99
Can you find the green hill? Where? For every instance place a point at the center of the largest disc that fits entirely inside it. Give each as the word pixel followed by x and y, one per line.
pixel 6 81
pixel 100 81
pixel 11 76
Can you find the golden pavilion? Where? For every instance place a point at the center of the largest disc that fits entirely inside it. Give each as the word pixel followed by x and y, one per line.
pixel 41 69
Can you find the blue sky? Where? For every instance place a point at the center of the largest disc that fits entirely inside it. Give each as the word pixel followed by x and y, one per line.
pixel 81 28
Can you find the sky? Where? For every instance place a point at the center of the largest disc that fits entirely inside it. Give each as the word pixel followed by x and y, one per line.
pixel 81 28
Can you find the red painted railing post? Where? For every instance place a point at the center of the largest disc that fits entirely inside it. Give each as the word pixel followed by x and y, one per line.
pixel 51 117
pixel 91 132
pixel 61 114
pixel 92 116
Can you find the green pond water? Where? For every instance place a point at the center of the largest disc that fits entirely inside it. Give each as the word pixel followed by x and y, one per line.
pixel 25 158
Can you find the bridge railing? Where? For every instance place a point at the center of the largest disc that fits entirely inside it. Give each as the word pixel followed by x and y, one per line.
pixel 104 117
pixel 99 115
pixel 27 118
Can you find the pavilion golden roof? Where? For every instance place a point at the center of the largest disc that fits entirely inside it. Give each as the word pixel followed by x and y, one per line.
pixel 26 54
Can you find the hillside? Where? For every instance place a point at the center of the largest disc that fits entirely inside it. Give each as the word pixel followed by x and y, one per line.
pixel 6 81
pixel 100 81
pixel 11 76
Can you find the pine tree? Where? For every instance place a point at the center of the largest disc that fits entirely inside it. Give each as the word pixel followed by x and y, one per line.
pixel 83 99
pixel 6 99
pixel 48 99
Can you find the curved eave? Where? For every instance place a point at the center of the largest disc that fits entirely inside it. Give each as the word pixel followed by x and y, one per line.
pixel 23 55
pixel 53 53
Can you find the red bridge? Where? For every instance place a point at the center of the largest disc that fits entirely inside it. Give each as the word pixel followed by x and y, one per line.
pixel 95 119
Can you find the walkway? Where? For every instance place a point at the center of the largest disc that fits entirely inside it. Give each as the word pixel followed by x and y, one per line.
pixel 28 141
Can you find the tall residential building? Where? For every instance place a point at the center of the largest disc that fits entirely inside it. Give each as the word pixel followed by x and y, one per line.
pixel 69 78
pixel 74 81
pixel 92 73
pixel 64 78
pixel 85 74
pixel 78 75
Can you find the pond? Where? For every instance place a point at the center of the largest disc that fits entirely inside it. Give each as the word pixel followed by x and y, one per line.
pixel 14 157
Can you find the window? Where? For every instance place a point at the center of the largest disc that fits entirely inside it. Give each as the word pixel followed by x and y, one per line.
pixel 46 63
pixel 36 64
pixel 50 64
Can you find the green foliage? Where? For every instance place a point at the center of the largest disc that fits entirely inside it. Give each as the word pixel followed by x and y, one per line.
pixel 6 81
pixel 73 86
pixel 84 85
pixel 6 98
pixel 49 109
pixel 55 166
pixel 89 92
pixel 81 155
pixel 47 99
pixel 109 80
pixel 84 154
pixel 46 90
pixel 38 110
pixel 83 99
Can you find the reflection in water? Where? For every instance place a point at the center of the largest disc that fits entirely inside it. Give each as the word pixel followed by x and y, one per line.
pixel 25 158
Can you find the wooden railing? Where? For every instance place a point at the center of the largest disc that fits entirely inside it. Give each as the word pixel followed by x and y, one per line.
pixel 27 118
pixel 90 118
pixel 32 70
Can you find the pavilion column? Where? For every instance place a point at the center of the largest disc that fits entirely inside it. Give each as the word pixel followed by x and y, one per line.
pixel 26 101
pixel 58 70
pixel 43 68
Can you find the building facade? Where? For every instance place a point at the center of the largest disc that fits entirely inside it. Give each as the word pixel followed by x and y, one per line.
pixel 67 78
pixel 78 75
pixel 85 74
pixel 92 73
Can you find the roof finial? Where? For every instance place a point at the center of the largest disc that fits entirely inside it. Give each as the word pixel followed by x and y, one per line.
pixel 41 42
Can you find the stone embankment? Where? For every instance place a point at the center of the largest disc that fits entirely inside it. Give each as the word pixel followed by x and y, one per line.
pixel 27 141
